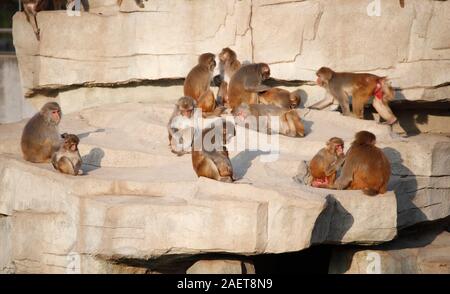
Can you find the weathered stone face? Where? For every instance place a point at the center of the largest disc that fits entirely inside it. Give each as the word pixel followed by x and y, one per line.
pixel 162 41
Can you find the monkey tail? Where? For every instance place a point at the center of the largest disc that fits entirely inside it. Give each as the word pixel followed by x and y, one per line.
pixel 370 192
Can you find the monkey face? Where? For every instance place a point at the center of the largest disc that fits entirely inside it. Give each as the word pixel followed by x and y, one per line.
pixel 295 101
pixel 339 149
pixel 187 112
pixel 186 106
pixel 265 71
pixel 52 113
pixel 324 74
pixel 70 142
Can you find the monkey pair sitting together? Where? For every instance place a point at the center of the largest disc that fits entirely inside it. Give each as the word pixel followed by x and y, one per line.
pixel 41 141
pixel 364 167
pixel 209 159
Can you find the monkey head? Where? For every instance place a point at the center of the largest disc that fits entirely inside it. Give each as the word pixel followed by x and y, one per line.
pixel 208 60
pixel 241 112
pixel 364 138
pixel 324 75
pixel 294 100
pixel 51 113
pixel 186 106
pixel 264 70
pixel 70 142
pixel 387 89
pixel 335 145
pixel 227 54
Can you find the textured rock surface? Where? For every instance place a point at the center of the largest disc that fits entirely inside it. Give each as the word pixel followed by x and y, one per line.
pixel 424 250
pixel 139 201
pixel 301 36
pixel 221 267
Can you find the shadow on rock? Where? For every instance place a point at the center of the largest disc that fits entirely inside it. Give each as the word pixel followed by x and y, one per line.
pixel 93 160
pixel 85 135
pixel 242 162
pixel 404 184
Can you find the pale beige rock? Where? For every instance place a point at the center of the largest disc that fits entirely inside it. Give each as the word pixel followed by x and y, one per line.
pixel 300 37
pixel 221 267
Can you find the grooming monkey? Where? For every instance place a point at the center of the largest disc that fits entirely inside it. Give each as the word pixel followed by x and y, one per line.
pixel 228 65
pixel 290 123
pixel 197 84
pixel 40 136
pixel 366 167
pixel 246 83
pixel 281 98
pixel 181 126
pixel 361 86
pixel 212 160
pixel 67 159
pixel 324 165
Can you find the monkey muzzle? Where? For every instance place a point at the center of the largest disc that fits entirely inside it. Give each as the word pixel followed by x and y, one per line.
pixel 339 149
pixel 319 81
pixel 187 113
pixel 56 116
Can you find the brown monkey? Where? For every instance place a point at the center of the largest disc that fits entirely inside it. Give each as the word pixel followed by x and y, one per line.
pixel 180 126
pixel 366 167
pixel 326 162
pixel 246 83
pixel 67 159
pixel 361 86
pixel 211 159
pixel 139 3
pixel 281 98
pixel 228 65
pixel 40 137
pixel 198 81
pixel 290 123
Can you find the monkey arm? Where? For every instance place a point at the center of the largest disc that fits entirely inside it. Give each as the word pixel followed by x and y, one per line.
pixel 332 168
pixel 344 179
pixel 250 86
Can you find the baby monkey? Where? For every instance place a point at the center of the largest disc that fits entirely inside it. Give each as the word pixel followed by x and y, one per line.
pixel 326 162
pixel 67 159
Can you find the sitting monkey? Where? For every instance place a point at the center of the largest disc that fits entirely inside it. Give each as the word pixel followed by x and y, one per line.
pixel 181 126
pixel 67 159
pixel 324 165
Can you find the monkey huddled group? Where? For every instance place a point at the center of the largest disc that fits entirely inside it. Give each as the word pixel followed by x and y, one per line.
pixel 243 93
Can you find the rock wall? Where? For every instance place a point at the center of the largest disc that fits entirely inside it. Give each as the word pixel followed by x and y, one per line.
pixel 111 46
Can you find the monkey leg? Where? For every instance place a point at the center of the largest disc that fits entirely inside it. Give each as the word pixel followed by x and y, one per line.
pixel 65 166
pixel 384 111
pixel 358 101
pixel 343 103
pixel 298 124
pixel 207 102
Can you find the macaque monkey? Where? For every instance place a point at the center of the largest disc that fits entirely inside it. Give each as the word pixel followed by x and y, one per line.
pixel 181 126
pixel 31 8
pixel 361 86
pixel 67 159
pixel 324 165
pixel 198 81
pixel 246 83
pixel 40 137
pixel 281 98
pixel 366 167
pixel 212 160
pixel 139 3
pixel 290 123
pixel 228 65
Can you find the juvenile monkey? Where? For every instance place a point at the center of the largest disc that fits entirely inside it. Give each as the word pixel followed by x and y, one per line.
pixel 212 160
pixel 40 136
pixel 281 98
pixel 361 86
pixel 228 65
pixel 198 81
pixel 246 83
pixel 181 126
pixel 366 167
pixel 324 165
pixel 290 123
pixel 67 159
pixel 139 3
